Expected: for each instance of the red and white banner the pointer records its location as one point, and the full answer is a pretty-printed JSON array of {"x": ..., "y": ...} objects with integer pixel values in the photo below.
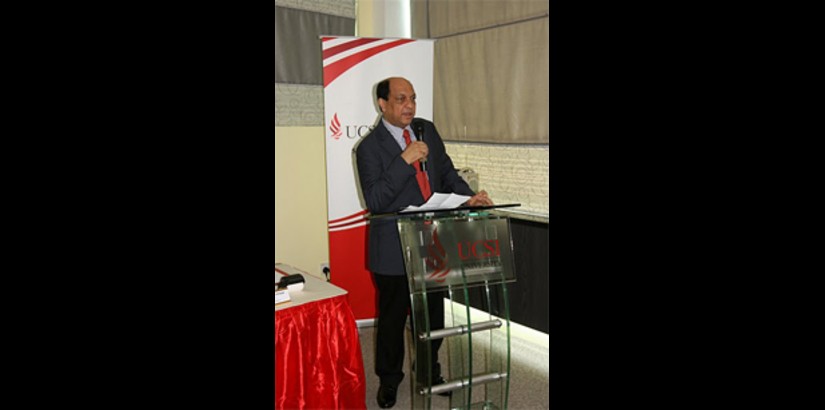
[{"x": 352, "y": 68}]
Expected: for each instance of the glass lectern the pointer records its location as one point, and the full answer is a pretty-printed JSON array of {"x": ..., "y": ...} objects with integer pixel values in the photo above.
[{"x": 468, "y": 253}]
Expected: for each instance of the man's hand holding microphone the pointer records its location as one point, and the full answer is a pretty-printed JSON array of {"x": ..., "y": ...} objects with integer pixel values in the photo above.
[{"x": 416, "y": 151}]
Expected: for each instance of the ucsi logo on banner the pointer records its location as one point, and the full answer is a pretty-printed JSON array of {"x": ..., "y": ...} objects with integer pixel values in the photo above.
[{"x": 351, "y": 131}]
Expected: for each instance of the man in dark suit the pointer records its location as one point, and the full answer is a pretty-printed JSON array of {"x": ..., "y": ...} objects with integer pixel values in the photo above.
[{"x": 391, "y": 177}]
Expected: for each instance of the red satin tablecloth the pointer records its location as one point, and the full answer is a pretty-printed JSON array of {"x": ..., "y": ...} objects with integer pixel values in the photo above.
[{"x": 318, "y": 362}]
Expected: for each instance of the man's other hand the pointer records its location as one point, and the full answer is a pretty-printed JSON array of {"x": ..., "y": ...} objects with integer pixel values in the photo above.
[{"x": 479, "y": 199}]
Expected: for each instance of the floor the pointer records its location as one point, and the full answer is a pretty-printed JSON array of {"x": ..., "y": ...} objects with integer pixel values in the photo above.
[{"x": 529, "y": 371}]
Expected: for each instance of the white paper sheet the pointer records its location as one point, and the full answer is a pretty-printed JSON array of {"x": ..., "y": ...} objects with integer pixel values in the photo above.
[
  {"x": 439, "y": 201},
  {"x": 282, "y": 296}
]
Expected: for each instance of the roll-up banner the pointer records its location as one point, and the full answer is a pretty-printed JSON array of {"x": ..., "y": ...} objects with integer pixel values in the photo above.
[{"x": 352, "y": 68}]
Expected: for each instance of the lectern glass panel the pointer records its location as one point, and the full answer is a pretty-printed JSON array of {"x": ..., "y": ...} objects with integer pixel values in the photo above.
[{"x": 456, "y": 250}]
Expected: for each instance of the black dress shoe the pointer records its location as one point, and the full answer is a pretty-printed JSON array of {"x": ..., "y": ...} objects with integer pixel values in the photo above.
[{"x": 386, "y": 395}]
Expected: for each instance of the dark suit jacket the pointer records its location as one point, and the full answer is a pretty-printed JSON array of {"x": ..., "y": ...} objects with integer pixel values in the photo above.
[{"x": 388, "y": 184}]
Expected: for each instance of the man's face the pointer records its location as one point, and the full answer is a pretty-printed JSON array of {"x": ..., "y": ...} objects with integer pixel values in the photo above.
[{"x": 399, "y": 108}]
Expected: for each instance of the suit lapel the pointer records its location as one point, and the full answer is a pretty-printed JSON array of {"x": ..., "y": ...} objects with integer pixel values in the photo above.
[{"x": 387, "y": 142}]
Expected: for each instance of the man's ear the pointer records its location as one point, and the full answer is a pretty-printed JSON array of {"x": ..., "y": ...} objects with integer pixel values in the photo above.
[{"x": 381, "y": 103}]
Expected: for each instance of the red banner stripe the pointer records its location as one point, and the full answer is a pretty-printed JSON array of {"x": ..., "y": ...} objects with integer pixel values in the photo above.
[
  {"x": 361, "y": 212},
  {"x": 347, "y": 226},
  {"x": 346, "y": 223},
  {"x": 334, "y": 70},
  {"x": 355, "y": 221},
  {"x": 346, "y": 46},
  {"x": 327, "y": 38}
]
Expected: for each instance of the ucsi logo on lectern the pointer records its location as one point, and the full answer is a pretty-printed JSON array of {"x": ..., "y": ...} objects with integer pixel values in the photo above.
[
  {"x": 437, "y": 260},
  {"x": 479, "y": 249},
  {"x": 351, "y": 131}
]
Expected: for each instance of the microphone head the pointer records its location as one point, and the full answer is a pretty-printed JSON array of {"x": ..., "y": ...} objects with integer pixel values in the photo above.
[{"x": 418, "y": 127}]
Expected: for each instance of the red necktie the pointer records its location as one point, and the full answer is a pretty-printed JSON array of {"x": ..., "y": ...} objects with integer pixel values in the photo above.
[{"x": 420, "y": 176}]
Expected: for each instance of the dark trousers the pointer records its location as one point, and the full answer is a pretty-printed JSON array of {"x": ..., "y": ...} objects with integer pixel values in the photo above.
[{"x": 393, "y": 305}]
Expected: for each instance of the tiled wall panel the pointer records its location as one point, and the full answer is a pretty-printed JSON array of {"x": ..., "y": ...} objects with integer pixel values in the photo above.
[
  {"x": 298, "y": 105},
  {"x": 343, "y": 8},
  {"x": 509, "y": 173}
]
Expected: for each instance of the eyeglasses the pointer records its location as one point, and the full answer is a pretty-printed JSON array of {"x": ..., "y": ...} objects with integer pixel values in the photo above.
[{"x": 402, "y": 99}]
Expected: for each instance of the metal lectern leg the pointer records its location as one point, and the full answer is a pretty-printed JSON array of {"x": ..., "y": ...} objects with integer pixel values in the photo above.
[{"x": 421, "y": 367}]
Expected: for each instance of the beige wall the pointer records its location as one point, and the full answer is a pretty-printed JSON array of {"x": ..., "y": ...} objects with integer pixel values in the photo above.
[
  {"x": 301, "y": 238},
  {"x": 382, "y": 18},
  {"x": 364, "y": 26}
]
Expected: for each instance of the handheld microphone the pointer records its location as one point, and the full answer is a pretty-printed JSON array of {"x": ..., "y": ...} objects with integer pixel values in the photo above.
[{"x": 418, "y": 128}]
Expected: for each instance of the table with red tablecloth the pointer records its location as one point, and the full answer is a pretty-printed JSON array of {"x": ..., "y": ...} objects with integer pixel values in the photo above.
[{"x": 318, "y": 363}]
